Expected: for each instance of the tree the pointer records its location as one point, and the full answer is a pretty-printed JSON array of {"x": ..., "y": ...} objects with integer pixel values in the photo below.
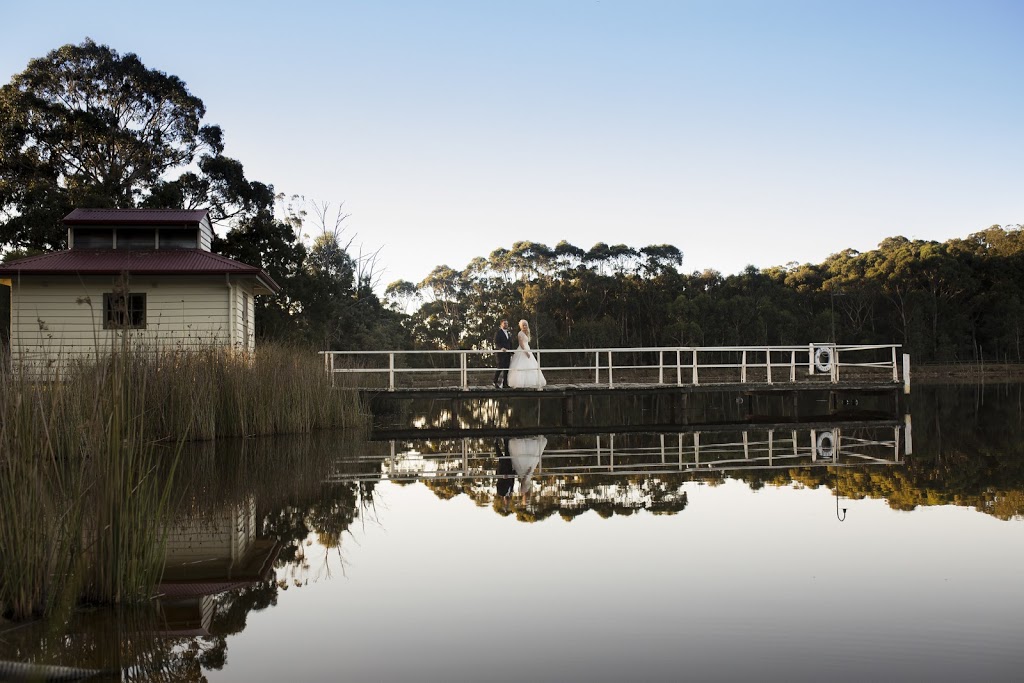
[{"x": 85, "y": 126}]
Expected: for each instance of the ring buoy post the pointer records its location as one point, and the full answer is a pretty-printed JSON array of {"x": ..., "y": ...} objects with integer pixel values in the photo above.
[{"x": 825, "y": 445}]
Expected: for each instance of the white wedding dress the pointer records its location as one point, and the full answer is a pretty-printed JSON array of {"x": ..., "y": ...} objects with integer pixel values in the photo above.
[
  {"x": 525, "y": 453},
  {"x": 524, "y": 370}
]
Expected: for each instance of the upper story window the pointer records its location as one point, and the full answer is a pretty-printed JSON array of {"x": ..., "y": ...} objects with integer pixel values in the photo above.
[
  {"x": 94, "y": 238},
  {"x": 136, "y": 238},
  {"x": 179, "y": 238}
]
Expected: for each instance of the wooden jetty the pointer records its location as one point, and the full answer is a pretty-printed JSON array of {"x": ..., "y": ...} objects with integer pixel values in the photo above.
[{"x": 570, "y": 372}]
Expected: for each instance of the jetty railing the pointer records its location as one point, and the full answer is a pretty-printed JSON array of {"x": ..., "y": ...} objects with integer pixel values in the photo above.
[
  {"x": 677, "y": 365},
  {"x": 638, "y": 454}
]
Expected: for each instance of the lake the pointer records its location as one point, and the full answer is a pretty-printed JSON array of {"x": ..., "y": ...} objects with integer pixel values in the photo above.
[{"x": 738, "y": 541}]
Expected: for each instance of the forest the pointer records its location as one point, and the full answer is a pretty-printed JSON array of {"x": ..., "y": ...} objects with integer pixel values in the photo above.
[{"x": 954, "y": 301}]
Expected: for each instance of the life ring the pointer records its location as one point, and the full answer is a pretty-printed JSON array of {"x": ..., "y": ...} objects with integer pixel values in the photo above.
[
  {"x": 826, "y": 445},
  {"x": 823, "y": 359}
]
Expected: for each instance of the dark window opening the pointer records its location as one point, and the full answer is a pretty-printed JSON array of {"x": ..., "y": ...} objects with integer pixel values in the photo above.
[
  {"x": 136, "y": 238},
  {"x": 179, "y": 239},
  {"x": 124, "y": 311},
  {"x": 94, "y": 238}
]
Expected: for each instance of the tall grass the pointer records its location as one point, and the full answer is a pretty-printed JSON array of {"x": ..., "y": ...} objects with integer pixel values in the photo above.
[
  {"x": 84, "y": 483},
  {"x": 212, "y": 393}
]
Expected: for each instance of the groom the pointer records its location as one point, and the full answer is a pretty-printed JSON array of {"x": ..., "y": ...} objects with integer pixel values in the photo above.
[{"x": 503, "y": 347}]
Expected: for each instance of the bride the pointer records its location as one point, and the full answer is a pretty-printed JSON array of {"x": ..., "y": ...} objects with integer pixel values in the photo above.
[{"x": 524, "y": 370}]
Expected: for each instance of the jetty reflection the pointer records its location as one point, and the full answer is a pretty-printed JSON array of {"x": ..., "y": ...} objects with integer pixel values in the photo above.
[{"x": 867, "y": 443}]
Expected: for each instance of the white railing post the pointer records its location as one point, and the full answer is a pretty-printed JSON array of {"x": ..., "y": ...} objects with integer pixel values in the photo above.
[
  {"x": 331, "y": 354},
  {"x": 835, "y": 365},
  {"x": 610, "y": 381},
  {"x": 792, "y": 366},
  {"x": 895, "y": 366},
  {"x": 768, "y": 363},
  {"x": 696, "y": 448},
  {"x": 906, "y": 373},
  {"x": 743, "y": 367},
  {"x": 810, "y": 359},
  {"x": 679, "y": 367},
  {"x": 695, "y": 382},
  {"x": 391, "y": 372},
  {"x": 661, "y": 367},
  {"x": 462, "y": 370},
  {"x": 907, "y": 436},
  {"x": 597, "y": 367}
]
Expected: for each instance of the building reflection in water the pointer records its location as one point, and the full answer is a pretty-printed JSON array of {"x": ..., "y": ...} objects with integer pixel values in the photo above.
[{"x": 208, "y": 555}]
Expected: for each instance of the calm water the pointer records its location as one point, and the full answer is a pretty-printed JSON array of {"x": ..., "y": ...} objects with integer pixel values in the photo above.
[{"x": 840, "y": 546}]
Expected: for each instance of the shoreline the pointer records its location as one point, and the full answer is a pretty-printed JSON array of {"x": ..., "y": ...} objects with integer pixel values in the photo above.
[{"x": 935, "y": 373}]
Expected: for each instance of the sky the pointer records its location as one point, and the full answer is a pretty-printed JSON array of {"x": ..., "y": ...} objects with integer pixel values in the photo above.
[{"x": 742, "y": 132}]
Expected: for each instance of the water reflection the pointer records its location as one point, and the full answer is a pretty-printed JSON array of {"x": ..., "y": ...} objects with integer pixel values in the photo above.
[
  {"x": 263, "y": 523},
  {"x": 525, "y": 453},
  {"x": 246, "y": 515},
  {"x": 207, "y": 556},
  {"x": 611, "y": 473}
]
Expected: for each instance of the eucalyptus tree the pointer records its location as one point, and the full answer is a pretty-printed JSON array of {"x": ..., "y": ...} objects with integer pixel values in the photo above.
[
  {"x": 660, "y": 258},
  {"x": 568, "y": 257},
  {"x": 86, "y": 126},
  {"x": 442, "y": 322},
  {"x": 401, "y": 296},
  {"x": 996, "y": 306}
]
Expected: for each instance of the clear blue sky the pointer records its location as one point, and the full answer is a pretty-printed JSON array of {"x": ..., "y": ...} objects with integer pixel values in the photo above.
[{"x": 743, "y": 132}]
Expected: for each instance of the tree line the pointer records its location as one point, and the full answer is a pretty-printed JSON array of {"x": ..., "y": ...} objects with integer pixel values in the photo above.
[{"x": 958, "y": 300}]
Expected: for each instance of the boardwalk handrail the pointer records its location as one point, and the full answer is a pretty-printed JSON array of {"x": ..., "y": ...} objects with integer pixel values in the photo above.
[
  {"x": 678, "y": 365},
  {"x": 767, "y": 447}
]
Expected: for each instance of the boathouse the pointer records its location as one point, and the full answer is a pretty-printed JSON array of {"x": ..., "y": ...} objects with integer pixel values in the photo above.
[{"x": 148, "y": 274}]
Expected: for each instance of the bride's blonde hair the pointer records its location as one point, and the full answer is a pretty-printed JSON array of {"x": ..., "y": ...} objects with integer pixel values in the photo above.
[{"x": 523, "y": 323}]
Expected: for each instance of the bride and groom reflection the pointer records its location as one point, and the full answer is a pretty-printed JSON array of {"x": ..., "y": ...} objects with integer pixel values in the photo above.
[{"x": 518, "y": 461}]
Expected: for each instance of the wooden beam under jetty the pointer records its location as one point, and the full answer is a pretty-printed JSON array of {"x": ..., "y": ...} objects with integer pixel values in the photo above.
[{"x": 563, "y": 390}]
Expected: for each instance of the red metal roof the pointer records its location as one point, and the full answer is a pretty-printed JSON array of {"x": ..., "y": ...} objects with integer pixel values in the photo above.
[
  {"x": 137, "y": 262},
  {"x": 135, "y": 216}
]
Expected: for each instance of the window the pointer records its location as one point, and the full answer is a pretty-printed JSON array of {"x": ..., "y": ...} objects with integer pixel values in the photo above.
[
  {"x": 136, "y": 238},
  {"x": 124, "y": 311},
  {"x": 179, "y": 239},
  {"x": 94, "y": 238}
]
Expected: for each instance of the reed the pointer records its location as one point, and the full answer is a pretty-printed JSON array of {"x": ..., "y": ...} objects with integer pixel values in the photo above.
[
  {"x": 210, "y": 393},
  {"x": 84, "y": 481},
  {"x": 41, "y": 497}
]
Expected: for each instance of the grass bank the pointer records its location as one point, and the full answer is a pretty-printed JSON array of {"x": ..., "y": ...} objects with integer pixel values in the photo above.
[{"x": 85, "y": 482}]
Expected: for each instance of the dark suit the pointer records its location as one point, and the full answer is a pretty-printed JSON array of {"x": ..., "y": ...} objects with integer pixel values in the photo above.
[
  {"x": 506, "y": 472},
  {"x": 503, "y": 340}
]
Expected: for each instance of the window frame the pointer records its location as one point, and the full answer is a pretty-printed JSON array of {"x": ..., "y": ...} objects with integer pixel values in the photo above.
[{"x": 134, "y": 310}]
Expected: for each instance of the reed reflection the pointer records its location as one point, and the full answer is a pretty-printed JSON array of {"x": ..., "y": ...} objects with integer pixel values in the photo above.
[{"x": 244, "y": 515}]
